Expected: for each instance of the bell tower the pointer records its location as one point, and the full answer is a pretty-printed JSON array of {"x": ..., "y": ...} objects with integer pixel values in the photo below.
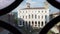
[
  {"x": 27, "y": 5},
  {"x": 46, "y": 5}
]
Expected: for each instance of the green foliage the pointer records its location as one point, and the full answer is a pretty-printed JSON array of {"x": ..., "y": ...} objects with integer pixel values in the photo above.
[
  {"x": 49, "y": 32},
  {"x": 16, "y": 20}
]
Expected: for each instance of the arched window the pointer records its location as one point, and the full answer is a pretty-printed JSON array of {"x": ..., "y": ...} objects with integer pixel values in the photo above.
[
  {"x": 42, "y": 11},
  {"x": 46, "y": 17},
  {"x": 45, "y": 11},
  {"x": 39, "y": 23},
  {"x": 35, "y": 16},
  {"x": 26, "y": 11},
  {"x": 38, "y": 11},
  {"x": 35, "y": 22},
  {"x": 29, "y": 23},
  {"x": 32, "y": 22},
  {"x": 23, "y": 16},
  {"x": 26, "y": 17},
  {"x": 29, "y": 16},
  {"x": 26, "y": 23},
  {"x": 20, "y": 16},
  {"x": 23, "y": 11},
  {"x": 20, "y": 23},
  {"x": 32, "y": 15},
  {"x": 45, "y": 22},
  {"x": 42, "y": 23},
  {"x": 38, "y": 16},
  {"x": 20, "y": 11},
  {"x": 42, "y": 17},
  {"x": 23, "y": 22}
]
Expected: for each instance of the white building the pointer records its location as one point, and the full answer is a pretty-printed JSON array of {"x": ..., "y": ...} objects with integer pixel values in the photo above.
[{"x": 35, "y": 17}]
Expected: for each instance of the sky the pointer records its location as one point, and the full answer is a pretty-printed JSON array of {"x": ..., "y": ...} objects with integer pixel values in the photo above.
[
  {"x": 36, "y": 3},
  {"x": 5, "y": 3},
  {"x": 58, "y": 1}
]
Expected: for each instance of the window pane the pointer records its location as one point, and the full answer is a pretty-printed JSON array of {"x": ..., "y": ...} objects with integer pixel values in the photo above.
[
  {"x": 35, "y": 16},
  {"x": 35, "y": 22},
  {"x": 42, "y": 23},
  {"x": 29, "y": 16}
]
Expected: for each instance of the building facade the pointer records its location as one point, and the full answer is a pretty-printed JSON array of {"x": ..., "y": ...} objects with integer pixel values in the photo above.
[{"x": 35, "y": 17}]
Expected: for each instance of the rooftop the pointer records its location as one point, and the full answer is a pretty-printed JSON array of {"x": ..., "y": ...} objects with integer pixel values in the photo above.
[
  {"x": 56, "y": 13},
  {"x": 34, "y": 8}
]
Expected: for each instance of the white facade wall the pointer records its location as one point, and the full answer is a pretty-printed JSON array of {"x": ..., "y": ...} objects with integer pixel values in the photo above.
[{"x": 38, "y": 13}]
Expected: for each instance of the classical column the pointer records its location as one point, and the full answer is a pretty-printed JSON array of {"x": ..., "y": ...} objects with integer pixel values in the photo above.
[
  {"x": 40, "y": 24},
  {"x": 43, "y": 23},
  {"x": 34, "y": 23},
  {"x": 31, "y": 23}
]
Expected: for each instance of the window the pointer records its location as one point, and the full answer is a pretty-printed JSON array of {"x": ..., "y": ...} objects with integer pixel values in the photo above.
[
  {"x": 23, "y": 22},
  {"x": 35, "y": 22},
  {"x": 42, "y": 23},
  {"x": 29, "y": 16},
  {"x": 23, "y": 11},
  {"x": 26, "y": 17},
  {"x": 45, "y": 11},
  {"x": 38, "y": 17},
  {"x": 35, "y": 16},
  {"x": 46, "y": 17},
  {"x": 38, "y": 11},
  {"x": 42, "y": 17},
  {"x": 32, "y": 22},
  {"x": 26, "y": 11},
  {"x": 32, "y": 15},
  {"x": 20, "y": 16},
  {"x": 29, "y": 23},
  {"x": 39, "y": 22},
  {"x": 45, "y": 22},
  {"x": 35, "y": 11},
  {"x": 23, "y": 16},
  {"x": 20, "y": 23},
  {"x": 20, "y": 11},
  {"x": 42, "y": 11},
  {"x": 26, "y": 23}
]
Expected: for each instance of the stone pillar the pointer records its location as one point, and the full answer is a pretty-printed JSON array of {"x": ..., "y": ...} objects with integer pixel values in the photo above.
[
  {"x": 43, "y": 23},
  {"x": 40, "y": 24},
  {"x": 31, "y": 23},
  {"x": 34, "y": 23}
]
